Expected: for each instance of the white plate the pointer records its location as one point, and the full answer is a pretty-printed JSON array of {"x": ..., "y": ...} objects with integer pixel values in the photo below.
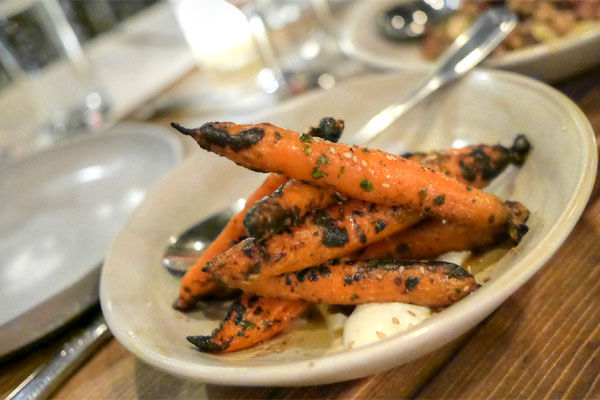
[
  {"x": 59, "y": 211},
  {"x": 486, "y": 106},
  {"x": 546, "y": 62}
]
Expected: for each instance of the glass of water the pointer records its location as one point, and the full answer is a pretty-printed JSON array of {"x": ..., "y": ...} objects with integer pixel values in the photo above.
[{"x": 53, "y": 91}]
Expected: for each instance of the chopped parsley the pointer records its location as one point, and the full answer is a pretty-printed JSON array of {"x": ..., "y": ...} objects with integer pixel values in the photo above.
[
  {"x": 247, "y": 324},
  {"x": 438, "y": 201},
  {"x": 317, "y": 173},
  {"x": 305, "y": 138},
  {"x": 306, "y": 149},
  {"x": 366, "y": 185},
  {"x": 323, "y": 160}
]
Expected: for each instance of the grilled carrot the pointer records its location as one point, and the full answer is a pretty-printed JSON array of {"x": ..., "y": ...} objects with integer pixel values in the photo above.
[
  {"x": 353, "y": 171},
  {"x": 426, "y": 283},
  {"x": 250, "y": 320},
  {"x": 286, "y": 207},
  {"x": 475, "y": 165},
  {"x": 293, "y": 200},
  {"x": 472, "y": 165},
  {"x": 197, "y": 283},
  {"x": 329, "y": 129},
  {"x": 433, "y": 237},
  {"x": 333, "y": 232}
]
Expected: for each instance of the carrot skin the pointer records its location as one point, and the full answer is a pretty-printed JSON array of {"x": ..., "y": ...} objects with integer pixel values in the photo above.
[
  {"x": 250, "y": 320},
  {"x": 425, "y": 283},
  {"x": 369, "y": 175},
  {"x": 334, "y": 232}
]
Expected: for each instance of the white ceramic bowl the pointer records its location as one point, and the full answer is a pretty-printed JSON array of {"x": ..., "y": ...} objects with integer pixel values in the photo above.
[
  {"x": 544, "y": 61},
  {"x": 486, "y": 106}
]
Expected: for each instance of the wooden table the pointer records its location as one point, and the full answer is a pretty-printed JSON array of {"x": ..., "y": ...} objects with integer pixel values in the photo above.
[{"x": 543, "y": 342}]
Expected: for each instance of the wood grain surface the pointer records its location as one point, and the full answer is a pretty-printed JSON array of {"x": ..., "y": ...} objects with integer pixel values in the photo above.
[{"x": 543, "y": 342}]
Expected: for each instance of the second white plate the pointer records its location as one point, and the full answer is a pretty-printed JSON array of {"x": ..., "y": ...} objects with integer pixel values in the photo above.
[{"x": 546, "y": 61}]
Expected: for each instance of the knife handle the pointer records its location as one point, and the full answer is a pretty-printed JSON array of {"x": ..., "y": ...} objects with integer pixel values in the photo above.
[{"x": 50, "y": 375}]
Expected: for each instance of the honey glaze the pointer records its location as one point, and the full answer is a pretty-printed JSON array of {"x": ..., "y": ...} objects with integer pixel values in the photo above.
[{"x": 480, "y": 264}]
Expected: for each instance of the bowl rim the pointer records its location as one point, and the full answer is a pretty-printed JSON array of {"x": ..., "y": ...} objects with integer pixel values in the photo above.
[{"x": 345, "y": 365}]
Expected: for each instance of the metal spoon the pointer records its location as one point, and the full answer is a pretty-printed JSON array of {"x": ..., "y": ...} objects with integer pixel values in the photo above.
[
  {"x": 467, "y": 51},
  {"x": 409, "y": 20},
  {"x": 183, "y": 250}
]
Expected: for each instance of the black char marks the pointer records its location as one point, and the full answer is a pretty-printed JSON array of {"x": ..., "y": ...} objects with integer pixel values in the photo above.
[
  {"x": 211, "y": 134},
  {"x": 333, "y": 236}
]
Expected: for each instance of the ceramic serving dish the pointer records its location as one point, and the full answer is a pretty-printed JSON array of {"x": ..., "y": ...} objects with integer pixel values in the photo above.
[{"x": 484, "y": 107}]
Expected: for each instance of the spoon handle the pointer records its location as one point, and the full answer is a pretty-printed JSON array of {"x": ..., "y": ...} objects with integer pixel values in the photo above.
[
  {"x": 43, "y": 381},
  {"x": 470, "y": 48}
]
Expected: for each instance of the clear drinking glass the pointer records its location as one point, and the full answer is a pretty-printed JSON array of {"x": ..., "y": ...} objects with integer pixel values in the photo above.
[{"x": 53, "y": 90}]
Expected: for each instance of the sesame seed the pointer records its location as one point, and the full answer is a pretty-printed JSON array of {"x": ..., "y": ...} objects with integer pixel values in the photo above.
[
  {"x": 412, "y": 313},
  {"x": 355, "y": 159},
  {"x": 347, "y": 155},
  {"x": 379, "y": 276},
  {"x": 469, "y": 268},
  {"x": 332, "y": 150},
  {"x": 395, "y": 320},
  {"x": 350, "y": 344},
  {"x": 385, "y": 185},
  {"x": 317, "y": 139},
  {"x": 401, "y": 269},
  {"x": 364, "y": 163},
  {"x": 380, "y": 334},
  {"x": 390, "y": 157},
  {"x": 466, "y": 288},
  {"x": 422, "y": 270}
]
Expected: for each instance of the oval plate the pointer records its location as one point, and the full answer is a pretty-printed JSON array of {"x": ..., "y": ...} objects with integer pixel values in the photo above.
[
  {"x": 484, "y": 107},
  {"x": 544, "y": 61},
  {"x": 59, "y": 211}
]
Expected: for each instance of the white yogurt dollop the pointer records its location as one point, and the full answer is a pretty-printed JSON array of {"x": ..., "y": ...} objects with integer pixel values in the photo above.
[{"x": 372, "y": 322}]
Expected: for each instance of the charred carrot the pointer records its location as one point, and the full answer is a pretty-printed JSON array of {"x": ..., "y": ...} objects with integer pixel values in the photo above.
[
  {"x": 369, "y": 175},
  {"x": 197, "y": 283},
  {"x": 472, "y": 165},
  {"x": 475, "y": 165},
  {"x": 426, "y": 283},
  {"x": 286, "y": 207},
  {"x": 333, "y": 232},
  {"x": 250, "y": 320},
  {"x": 432, "y": 237},
  {"x": 293, "y": 200},
  {"x": 329, "y": 129}
]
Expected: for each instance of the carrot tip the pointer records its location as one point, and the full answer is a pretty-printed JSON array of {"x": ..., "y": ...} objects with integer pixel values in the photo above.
[
  {"x": 185, "y": 131},
  {"x": 519, "y": 150},
  {"x": 204, "y": 343}
]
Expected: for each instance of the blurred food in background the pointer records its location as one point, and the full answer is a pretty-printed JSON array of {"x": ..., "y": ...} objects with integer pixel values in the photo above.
[{"x": 540, "y": 21}]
